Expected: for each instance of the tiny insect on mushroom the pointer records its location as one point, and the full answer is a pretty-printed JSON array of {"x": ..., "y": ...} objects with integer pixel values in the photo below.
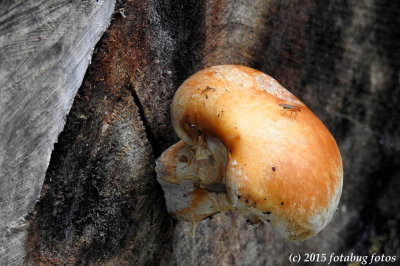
[
  {"x": 292, "y": 109},
  {"x": 286, "y": 172}
]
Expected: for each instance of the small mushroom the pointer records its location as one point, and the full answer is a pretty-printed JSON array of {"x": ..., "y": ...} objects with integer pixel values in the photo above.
[{"x": 238, "y": 149}]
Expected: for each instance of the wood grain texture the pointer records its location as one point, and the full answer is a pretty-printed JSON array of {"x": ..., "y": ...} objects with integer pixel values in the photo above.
[
  {"x": 100, "y": 201},
  {"x": 45, "y": 48}
]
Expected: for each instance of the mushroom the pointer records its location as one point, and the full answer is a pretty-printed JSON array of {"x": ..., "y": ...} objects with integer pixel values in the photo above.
[{"x": 248, "y": 144}]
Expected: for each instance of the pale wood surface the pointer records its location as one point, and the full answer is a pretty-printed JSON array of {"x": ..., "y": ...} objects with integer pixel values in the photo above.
[{"x": 45, "y": 48}]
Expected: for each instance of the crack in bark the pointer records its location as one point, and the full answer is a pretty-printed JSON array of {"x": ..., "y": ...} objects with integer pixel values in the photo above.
[{"x": 147, "y": 128}]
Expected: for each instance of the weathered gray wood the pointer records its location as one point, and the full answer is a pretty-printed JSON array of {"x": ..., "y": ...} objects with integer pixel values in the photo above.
[
  {"x": 101, "y": 203},
  {"x": 45, "y": 48}
]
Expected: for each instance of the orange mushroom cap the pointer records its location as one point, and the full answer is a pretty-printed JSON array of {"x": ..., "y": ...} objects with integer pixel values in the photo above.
[{"x": 277, "y": 159}]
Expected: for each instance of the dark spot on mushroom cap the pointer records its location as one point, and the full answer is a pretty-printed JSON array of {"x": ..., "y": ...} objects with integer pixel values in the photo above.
[
  {"x": 239, "y": 196},
  {"x": 247, "y": 201},
  {"x": 268, "y": 213},
  {"x": 273, "y": 168},
  {"x": 265, "y": 198},
  {"x": 282, "y": 203}
]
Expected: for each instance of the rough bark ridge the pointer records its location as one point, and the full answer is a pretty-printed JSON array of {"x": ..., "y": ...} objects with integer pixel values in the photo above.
[
  {"x": 100, "y": 202},
  {"x": 45, "y": 48},
  {"x": 113, "y": 212}
]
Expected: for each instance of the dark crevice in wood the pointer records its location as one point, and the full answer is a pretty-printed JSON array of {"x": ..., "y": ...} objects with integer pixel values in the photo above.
[
  {"x": 147, "y": 128},
  {"x": 100, "y": 188}
]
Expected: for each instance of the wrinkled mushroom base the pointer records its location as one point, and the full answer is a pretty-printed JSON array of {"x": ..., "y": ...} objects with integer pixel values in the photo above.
[{"x": 193, "y": 179}]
